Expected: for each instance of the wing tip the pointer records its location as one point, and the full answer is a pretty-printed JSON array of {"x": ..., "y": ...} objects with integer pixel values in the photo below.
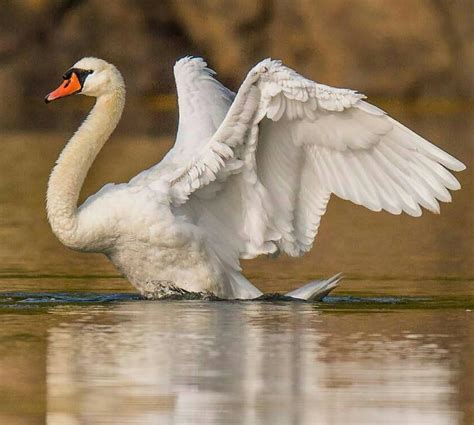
[{"x": 457, "y": 165}]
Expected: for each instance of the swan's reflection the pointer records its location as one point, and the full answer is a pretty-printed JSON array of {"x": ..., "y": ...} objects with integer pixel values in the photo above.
[{"x": 240, "y": 363}]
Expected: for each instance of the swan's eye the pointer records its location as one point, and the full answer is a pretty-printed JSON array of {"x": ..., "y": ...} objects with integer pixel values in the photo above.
[{"x": 90, "y": 71}]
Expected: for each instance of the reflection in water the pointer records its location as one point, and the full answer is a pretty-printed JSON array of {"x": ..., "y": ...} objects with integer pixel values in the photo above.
[{"x": 243, "y": 363}]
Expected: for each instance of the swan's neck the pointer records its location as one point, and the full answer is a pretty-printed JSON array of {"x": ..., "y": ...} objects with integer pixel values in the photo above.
[{"x": 73, "y": 164}]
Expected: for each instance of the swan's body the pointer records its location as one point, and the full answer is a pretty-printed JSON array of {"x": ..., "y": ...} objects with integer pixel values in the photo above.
[{"x": 249, "y": 174}]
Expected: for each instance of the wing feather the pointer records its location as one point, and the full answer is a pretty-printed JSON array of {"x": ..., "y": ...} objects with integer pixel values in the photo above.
[
  {"x": 203, "y": 103},
  {"x": 299, "y": 142}
]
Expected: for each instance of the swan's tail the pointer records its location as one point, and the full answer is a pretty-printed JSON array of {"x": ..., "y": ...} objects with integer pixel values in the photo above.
[{"x": 316, "y": 290}]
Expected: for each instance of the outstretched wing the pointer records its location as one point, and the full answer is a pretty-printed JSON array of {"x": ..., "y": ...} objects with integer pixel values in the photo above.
[
  {"x": 203, "y": 103},
  {"x": 287, "y": 143}
]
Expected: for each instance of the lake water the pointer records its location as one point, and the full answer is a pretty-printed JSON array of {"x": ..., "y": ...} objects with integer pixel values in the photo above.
[{"x": 393, "y": 345}]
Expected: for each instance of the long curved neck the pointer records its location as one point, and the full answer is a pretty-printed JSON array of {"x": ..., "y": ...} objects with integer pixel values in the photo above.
[{"x": 71, "y": 168}]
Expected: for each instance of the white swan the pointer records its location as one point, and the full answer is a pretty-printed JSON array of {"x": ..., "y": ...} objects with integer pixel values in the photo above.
[{"x": 250, "y": 173}]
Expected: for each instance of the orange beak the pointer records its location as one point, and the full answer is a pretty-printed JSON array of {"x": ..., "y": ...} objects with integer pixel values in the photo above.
[{"x": 67, "y": 88}]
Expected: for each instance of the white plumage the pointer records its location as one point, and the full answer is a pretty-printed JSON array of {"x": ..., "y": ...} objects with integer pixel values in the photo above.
[{"x": 250, "y": 173}]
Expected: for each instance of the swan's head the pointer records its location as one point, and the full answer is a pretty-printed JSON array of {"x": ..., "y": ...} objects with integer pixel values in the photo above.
[{"x": 89, "y": 76}]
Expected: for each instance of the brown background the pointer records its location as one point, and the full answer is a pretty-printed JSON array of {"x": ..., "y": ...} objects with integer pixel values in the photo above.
[{"x": 404, "y": 49}]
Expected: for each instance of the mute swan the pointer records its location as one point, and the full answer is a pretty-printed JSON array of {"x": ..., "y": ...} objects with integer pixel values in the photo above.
[{"x": 250, "y": 173}]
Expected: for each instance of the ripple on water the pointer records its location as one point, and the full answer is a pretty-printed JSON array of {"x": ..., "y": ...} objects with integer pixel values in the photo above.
[
  {"x": 15, "y": 299},
  {"x": 29, "y": 300}
]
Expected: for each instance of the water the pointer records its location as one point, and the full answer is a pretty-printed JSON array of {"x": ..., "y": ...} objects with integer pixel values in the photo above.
[
  {"x": 394, "y": 344},
  {"x": 102, "y": 358}
]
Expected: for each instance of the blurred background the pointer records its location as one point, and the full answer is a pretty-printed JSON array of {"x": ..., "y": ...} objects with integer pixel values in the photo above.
[
  {"x": 413, "y": 58},
  {"x": 404, "y": 50}
]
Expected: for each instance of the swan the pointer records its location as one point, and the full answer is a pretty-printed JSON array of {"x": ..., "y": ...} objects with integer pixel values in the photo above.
[{"x": 250, "y": 173}]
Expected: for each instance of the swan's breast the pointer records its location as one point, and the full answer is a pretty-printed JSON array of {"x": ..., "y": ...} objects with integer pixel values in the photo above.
[
  {"x": 148, "y": 243},
  {"x": 180, "y": 259}
]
